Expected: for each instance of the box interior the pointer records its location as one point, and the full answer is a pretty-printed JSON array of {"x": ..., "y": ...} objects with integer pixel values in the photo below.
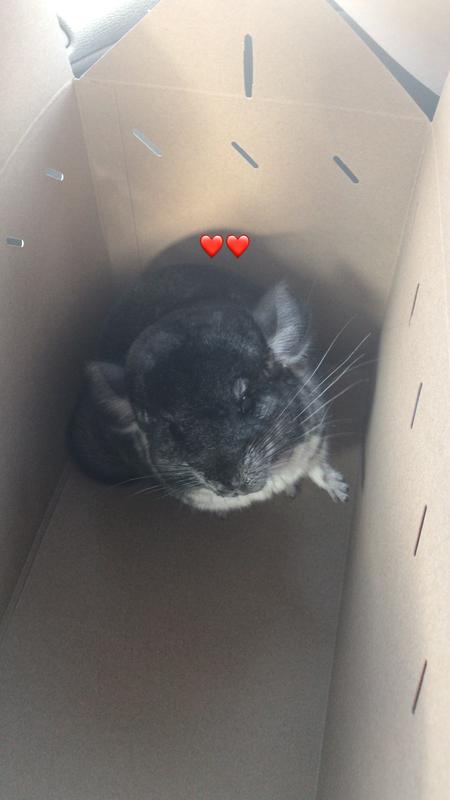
[{"x": 152, "y": 651}]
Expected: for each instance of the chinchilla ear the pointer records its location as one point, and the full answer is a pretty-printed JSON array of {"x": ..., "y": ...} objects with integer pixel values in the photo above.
[
  {"x": 107, "y": 385},
  {"x": 283, "y": 324}
]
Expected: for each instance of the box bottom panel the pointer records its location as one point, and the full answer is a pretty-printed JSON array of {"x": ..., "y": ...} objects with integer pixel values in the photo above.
[{"x": 157, "y": 652}]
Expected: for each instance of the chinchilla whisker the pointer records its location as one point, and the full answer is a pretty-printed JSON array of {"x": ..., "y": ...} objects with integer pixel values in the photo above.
[
  {"x": 176, "y": 476},
  {"x": 362, "y": 364},
  {"x": 330, "y": 346},
  {"x": 275, "y": 425},
  {"x": 332, "y": 399},
  {"x": 167, "y": 473},
  {"x": 352, "y": 367},
  {"x": 165, "y": 489},
  {"x": 346, "y": 359},
  {"x": 324, "y": 391},
  {"x": 164, "y": 492},
  {"x": 179, "y": 465},
  {"x": 335, "y": 422},
  {"x": 319, "y": 364},
  {"x": 344, "y": 362},
  {"x": 176, "y": 480},
  {"x": 340, "y": 433},
  {"x": 324, "y": 437},
  {"x": 131, "y": 480},
  {"x": 355, "y": 349},
  {"x": 367, "y": 363},
  {"x": 274, "y": 452},
  {"x": 281, "y": 425},
  {"x": 187, "y": 479},
  {"x": 149, "y": 490},
  {"x": 325, "y": 423},
  {"x": 320, "y": 425}
]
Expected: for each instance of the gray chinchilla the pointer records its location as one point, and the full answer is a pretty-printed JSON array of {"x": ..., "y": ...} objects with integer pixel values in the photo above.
[{"x": 204, "y": 386}]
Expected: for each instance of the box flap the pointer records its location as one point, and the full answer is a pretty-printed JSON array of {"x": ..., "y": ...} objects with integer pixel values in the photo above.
[
  {"x": 416, "y": 34},
  {"x": 303, "y": 52},
  {"x": 33, "y": 68},
  {"x": 236, "y": 122}
]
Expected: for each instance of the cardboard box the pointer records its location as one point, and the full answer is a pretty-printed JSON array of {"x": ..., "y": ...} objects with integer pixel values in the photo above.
[{"x": 151, "y": 652}]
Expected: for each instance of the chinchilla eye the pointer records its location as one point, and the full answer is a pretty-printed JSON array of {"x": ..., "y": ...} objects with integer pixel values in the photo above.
[
  {"x": 240, "y": 388},
  {"x": 246, "y": 404},
  {"x": 240, "y": 391}
]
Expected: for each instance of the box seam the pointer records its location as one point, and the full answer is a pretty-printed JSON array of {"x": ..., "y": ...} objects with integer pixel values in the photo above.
[
  {"x": 38, "y": 539},
  {"x": 79, "y": 105},
  {"x": 352, "y": 528},
  {"x": 404, "y": 228},
  {"x": 261, "y": 98},
  {"x": 31, "y": 125}
]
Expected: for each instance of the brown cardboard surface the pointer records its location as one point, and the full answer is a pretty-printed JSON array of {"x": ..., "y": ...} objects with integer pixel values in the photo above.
[
  {"x": 155, "y": 652},
  {"x": 396, "y": 604},
  {"x": 104, "y": 138},
  {"x": 303, "y": 52},
  {"x": 31, "y": 45},
  {"x": 305, "y": 213},
  {"x": 51, "y": 290},
  {"x": 158, "y": 652},
  {"x": 441, "y": 137},
  {"x": 415, "y": 34}
]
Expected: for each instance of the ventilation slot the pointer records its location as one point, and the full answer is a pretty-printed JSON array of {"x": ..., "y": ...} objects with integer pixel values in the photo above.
[
  {"x": 414, "y": 303},
  {"x": 141, "y": 137},
  {"x": 14, "y": 242},
  {"x": 244, "y": 154},
  {"x": 419, "y": 688},
  {"x": 419, "y": 534},
  {"x": 56, "y": 174},
  {"x": 416, "y": 404},
  {"x": 345, "y": 169},
  {"x": 248, "y": 66}
]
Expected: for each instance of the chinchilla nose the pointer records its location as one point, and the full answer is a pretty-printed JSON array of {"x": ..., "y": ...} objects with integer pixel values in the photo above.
[
  {"x": 230, "y": 478},
  {"x": 242, "y": 484}
]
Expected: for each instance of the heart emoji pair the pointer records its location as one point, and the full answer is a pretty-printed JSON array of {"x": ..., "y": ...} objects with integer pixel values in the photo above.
[{"x": 212, "y": 244}]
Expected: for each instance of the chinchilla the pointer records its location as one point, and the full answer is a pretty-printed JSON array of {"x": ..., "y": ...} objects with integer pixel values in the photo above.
[{"x": 203, "y": 386}]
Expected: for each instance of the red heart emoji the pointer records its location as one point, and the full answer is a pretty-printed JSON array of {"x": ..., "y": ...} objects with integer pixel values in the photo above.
[
  {"x": 237, "y": 244},
  {"x": 211, "y": 244}
]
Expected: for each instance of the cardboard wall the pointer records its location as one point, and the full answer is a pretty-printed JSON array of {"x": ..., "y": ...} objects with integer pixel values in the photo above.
[
  {"x": 77, "y": 704},
  {"x": 51, "y": 287},
  {"x": 387, "y": 732},
  {"x": 178, "y": 78},
  {"x": 415, "y": 34}
]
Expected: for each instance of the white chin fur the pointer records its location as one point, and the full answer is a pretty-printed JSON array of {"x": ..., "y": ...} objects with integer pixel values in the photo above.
[{"x": 282, "y": 479}]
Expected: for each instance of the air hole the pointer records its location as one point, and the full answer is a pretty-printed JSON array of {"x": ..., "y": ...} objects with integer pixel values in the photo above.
[
  {"x": 147, "y": 142},
  {"x": 419, "y": 534},
  {"x": 419, "y": 688},
  {"x": 419, "y": 390},
  {"x": 244, "y": 154},
  {"x": 414, "y": 303},
  {"x": 345, "y": 169},
  {"x": 14, "y": 242},
  {"x": 248, "y": 65},
  {"x": 56, "y": 174}
]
